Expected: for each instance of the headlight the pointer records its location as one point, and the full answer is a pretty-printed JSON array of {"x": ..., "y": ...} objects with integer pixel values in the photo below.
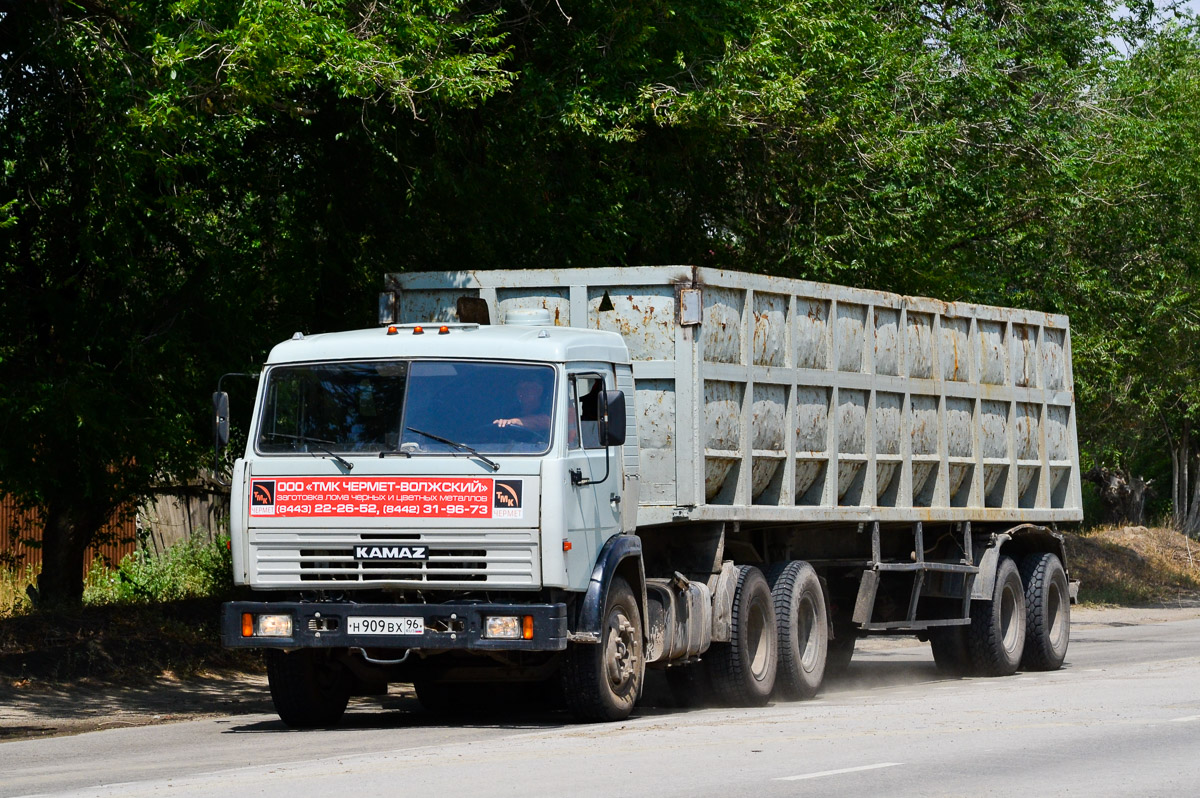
[{"x": 266, "y": 625}]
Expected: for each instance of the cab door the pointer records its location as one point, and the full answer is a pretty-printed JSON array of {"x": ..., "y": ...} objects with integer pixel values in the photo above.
[{"x": 591, "y": 501}]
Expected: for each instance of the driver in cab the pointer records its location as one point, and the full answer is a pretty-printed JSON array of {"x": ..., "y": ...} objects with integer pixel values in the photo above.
[{"x": 532, "y": 414}]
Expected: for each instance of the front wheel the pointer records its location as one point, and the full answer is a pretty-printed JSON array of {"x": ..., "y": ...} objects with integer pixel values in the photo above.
[
  {"x": 602, "y": 682},
  {"x": 308, "y": 687},
  {"x": 743, "y": 670}
]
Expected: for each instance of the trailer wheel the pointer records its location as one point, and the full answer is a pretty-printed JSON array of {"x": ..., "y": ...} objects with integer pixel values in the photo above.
[
  {"x": 950, "y": 652},
  {"x": 308, "y": 687},
  {"x": 602, "y": 682},
  {"x": 743, "y": 670},
  {"x": 996, "y": 637},
  {"x": 841, "y": 648},
  {"x": 1047, "y": 612},
  {"x": 803, "y": 628}
]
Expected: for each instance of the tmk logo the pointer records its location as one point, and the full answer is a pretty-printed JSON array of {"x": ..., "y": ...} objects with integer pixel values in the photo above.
[
  {"x": 391, "y": 552},
  {"x": 262, "y": 493},
  {"x": 508, "y": 493}
]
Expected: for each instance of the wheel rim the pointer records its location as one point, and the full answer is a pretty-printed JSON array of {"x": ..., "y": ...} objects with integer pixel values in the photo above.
[
  {"x": 620, "y": 651},
  {"x": 758, "y": 640},
  {"x": 1010, "y": 629},
  {"x": 806, "y": 622},
  {"x": 1056, "y": 616}
]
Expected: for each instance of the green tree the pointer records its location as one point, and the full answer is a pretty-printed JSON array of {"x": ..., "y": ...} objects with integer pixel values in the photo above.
[
  {"x": 186, "y": 182},
  {"x": 1126, "y": 263},
  {"x": 171, "y": 198}
]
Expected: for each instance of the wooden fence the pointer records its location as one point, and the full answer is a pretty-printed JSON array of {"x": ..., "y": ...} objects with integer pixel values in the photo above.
[
  {"x": 21, "y": 536},
  {"x": 171, "y": 516}
]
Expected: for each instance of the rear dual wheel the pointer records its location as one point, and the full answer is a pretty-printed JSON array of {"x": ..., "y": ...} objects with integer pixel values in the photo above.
[
  {"x": 1047, "y": 612},
  {"x": 996, "y": 636},
  {"x": 802, "y": 625},
  {"x": 1027, "y": 624},
  {"x": 743, "y": 670}
]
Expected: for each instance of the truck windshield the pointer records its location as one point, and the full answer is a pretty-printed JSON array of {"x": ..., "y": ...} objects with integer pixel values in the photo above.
[
  {"x": 496, "y": 408},
  {"x": 394, "y": 406}
]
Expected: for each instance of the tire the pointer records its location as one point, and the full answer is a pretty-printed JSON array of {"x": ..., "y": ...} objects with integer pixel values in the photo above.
[
  {"x": 308, "y": 687},
  {"x": 602, "y": 682},
  {"x": 951, "y": 654},
  {"x": 743, "y": 670},
  {"x": 802, "y": 626},
  {"x": 1047, "y": 612},
  {"x": 996, "y": 636},
  {"x": 841, "y": 648}
]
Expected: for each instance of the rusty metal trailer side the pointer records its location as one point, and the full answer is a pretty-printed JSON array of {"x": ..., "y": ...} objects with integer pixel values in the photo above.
[{"x": 769, "y": 400}]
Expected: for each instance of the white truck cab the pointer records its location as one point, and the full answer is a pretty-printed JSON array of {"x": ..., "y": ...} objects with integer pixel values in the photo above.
[{"x": 389, "y": 469}]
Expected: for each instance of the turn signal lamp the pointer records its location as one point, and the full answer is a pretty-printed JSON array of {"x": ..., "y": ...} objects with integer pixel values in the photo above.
[{"x": 527, "y": 627}]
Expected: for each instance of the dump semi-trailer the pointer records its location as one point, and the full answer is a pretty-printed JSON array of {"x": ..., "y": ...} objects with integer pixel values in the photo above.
[{"x": 571, "y": 476}]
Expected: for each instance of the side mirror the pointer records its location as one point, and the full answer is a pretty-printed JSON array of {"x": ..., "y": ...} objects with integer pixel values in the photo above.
[
  {"x": 612, "y": 418},
  {"x": 220, "y": 401}
]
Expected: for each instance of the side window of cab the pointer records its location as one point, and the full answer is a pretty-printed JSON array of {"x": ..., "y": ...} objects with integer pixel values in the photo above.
[
  {"x": 572, "y": 415},
  {"x": 585, "y": 407}
]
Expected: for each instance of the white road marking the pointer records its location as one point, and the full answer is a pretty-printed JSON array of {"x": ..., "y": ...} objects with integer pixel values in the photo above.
[
  {"x": 1188, "y": 719},
  {"x": 839, "y": 772}
]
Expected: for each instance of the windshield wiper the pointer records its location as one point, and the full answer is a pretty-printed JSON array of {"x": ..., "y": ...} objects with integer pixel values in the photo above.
[
  {"x": 311, "y": 443},
  {"x": 461, "y": 446}
]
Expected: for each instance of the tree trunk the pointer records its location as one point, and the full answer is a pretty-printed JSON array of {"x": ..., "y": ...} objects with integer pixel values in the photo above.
[
  {"x": 1123, "y": 496},
  {"x": 1183, "y": 499},
  {"x": 68, "y": 531},
  {"x": 1191, "y": 523}
]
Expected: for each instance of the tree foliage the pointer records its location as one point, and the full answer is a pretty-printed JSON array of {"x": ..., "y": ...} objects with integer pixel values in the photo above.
[
  {"x": 186, "y": 182},
  {"x": 174, "y": 197}
]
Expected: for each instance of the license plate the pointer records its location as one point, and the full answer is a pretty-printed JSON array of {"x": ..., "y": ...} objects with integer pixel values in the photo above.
[{"x": 385, "y": 626}]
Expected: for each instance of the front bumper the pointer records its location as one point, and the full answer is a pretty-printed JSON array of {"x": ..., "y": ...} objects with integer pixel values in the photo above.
[{"x": 447, "y": 626}]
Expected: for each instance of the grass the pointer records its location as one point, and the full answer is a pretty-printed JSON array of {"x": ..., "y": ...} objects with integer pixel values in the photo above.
[
  {"x": 194, "y": 568},
  {"x": 14, "y": 581},
  {"x": 149, "y": 615},
  {"x": 1131, "y": 566}
]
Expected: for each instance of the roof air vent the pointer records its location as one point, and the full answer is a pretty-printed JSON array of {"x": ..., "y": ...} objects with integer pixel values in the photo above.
[{"x": 528, "y": 317}]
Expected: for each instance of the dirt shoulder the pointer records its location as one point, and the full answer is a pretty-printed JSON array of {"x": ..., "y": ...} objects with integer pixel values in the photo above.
[{"x": 30, "y": 708}]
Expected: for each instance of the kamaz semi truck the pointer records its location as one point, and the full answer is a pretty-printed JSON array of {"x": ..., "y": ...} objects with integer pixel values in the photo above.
[{"x": 568, "y": 477}]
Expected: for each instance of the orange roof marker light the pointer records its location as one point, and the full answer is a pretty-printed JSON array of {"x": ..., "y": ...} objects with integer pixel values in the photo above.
[
  {"x": 418, "y": 330},
  {"x": 443, "y": 330},
  {"x": 393, "y": 329}
]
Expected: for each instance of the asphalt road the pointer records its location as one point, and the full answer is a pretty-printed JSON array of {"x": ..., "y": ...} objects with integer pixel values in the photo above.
[{"x": 1121, "y": 718}]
